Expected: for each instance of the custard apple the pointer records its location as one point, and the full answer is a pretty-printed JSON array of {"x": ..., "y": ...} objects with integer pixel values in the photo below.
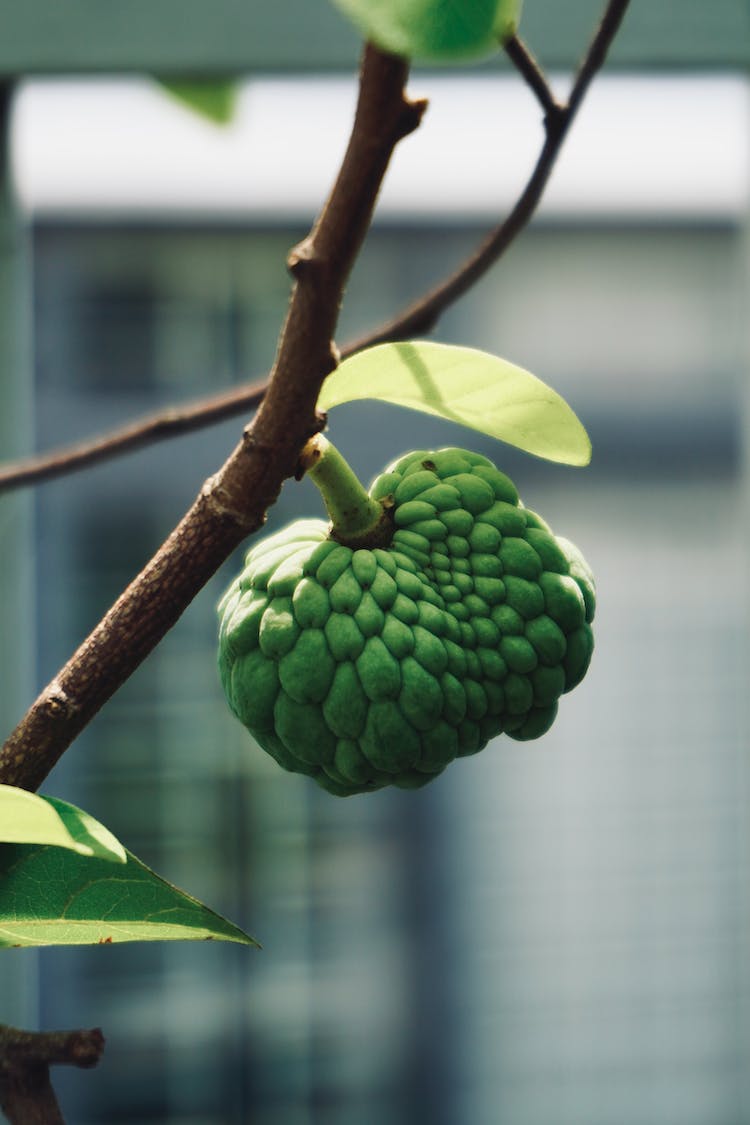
[{"x": 365, "y": 666}]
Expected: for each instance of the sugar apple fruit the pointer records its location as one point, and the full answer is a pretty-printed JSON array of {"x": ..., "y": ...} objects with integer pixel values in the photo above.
[{"x": 368, "y": 665}]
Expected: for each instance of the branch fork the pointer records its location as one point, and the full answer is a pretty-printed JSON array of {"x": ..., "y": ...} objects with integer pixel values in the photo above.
[
  {"x": 26, "y": 1094},
  {"x": 235, "y": 500}
]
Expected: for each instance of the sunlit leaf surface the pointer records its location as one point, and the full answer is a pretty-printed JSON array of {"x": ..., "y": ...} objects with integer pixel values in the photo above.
[
  {"x": 68, "y": 891},
  {"x": 26, "y": 818},
  {"x": 467, "y": 386}
]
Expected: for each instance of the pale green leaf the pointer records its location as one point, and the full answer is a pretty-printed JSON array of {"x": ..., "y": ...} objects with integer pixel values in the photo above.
[
  {"x": 507, "y": 18},
  {"x": 26, "y": 818},
  {"x": 466, "y": 386},
  {"x": 433, "y": 29},
  {"x": 211, "y": 98},
  {"x": 53, "y": 896}
]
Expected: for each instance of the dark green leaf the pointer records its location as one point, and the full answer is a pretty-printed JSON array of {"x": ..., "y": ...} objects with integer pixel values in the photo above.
[
  {"x": 466, "y": 386},
  {"x": 213, "y": 99},
  {"x": 434, "y": 29},
  {"x": 53, "y": 896},
  {"x": 26, "y": 818}
]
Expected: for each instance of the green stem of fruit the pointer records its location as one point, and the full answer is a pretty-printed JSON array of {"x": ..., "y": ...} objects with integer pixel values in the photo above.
[{"x": 356, "y": 519}]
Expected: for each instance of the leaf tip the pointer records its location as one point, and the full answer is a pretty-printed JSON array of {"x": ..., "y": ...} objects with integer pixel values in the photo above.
[{"x": 585, "y": 453}]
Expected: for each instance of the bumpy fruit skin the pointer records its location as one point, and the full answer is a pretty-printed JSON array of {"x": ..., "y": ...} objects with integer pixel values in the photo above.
[{"x": 370, "y": 667}]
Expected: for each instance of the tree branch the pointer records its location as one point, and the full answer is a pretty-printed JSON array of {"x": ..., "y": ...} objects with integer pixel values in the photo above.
[
  {"x": 597, "y": 52},
  {"x": 419, "y": 317},
  {"x": 233, "y": 503},
  {"x": 26, "y": 1094},
  {"x": 422, "y": 316},
  {"x": 172, "y": 422},
  {"x": 527, "y": 66}
]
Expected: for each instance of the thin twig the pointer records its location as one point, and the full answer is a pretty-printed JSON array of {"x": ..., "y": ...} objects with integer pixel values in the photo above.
[
  {"x": 172, "y": 422},
  {"x": 422, "y": 316},
  {"x": 419, "y": 317},
  {"x": 527, "y": 66},
  {"x": 597, "y": 52},
  {"x": 232, "y": 504}
]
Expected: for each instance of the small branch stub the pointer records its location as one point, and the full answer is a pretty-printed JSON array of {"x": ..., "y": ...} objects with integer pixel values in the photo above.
[
  {"x": 26, "y": 1093},
  {"x": 356, "y": 519}
]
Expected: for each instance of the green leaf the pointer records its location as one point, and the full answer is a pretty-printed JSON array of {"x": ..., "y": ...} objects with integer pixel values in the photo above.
[
  {"x": 466, "y": 386},
  {"x": 26, "y": 818},
  {"x": 434, "y": 29},
  {"x": 213, "y": 99},
  {"x": 53, "y": 896},
  {"x": 507, "y": 18}
]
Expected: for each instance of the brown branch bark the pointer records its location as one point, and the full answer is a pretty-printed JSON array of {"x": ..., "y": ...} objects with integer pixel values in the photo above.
[
  {"x": 233, "y": 503},
  {"x": 418, "y": 318},
  {"x": 26, "y": 1093}
]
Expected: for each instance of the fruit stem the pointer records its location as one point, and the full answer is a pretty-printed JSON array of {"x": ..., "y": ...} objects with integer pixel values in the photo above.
[{"x": 356, "y": 519}]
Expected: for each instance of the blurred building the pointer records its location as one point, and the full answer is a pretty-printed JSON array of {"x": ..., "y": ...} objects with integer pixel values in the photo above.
[{"x": 550, "y": 933}]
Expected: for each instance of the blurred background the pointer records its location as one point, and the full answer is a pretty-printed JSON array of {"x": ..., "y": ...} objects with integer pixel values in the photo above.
[{"x": 554, "y": 932}]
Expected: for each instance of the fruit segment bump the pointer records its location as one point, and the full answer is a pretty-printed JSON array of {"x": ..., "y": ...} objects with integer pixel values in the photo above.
[{"x": 432, "y": 614}]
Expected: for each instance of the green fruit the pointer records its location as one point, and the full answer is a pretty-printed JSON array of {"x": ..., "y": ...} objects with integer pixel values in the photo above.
[{"x": 430, "y": 616}]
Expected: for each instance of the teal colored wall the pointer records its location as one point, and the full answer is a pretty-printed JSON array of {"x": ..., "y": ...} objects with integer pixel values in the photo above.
[{"x": 232, "y": 35}]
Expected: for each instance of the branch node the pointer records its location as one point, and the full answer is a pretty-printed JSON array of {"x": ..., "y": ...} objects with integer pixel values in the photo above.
[
  {"x": 411, "y": 116},
  {"x": 86, "y": 1048},
  {"x": 58, "y": 704},
  {"x": 220, "y": 503},
  {"x": 301, "y": 260},
  {"x": 232, "y": 503},
  {"x": 26, "y": 1093},
  {"x": 556, "y": 118}
]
